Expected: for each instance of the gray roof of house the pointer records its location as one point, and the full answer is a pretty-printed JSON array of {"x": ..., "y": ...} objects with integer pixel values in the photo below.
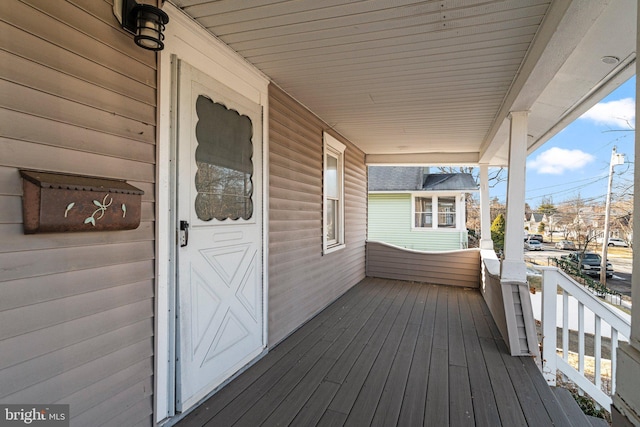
[
  {"x": 410, "y": 178},
  {"x": 449, "y": 182},
  {"x": 398, "y": 178}
]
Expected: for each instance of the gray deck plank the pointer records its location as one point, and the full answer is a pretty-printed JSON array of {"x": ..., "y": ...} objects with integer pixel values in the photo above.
[
  {"x": 484, "y": 403},
  {"x": 461, "y": 405},
  {"x": 294, "y": 401},
  {"x": 556, "y": 412},
  {"x": 316, "y": 405},
  {"x": 566, "y": 400},
  {"x": 346, "y": 396},
  {"x": 300, "y": 339},
  {"x": 508, "y": 404},
  {"x": 389, "y": 353},
  {"x": 532, "y": 406},
  {"x": 390, "y": 403},
  {"x": 347, "y": 359},
  {"x": 373, "y": 386},
  {"x": 415, "y": 395},
  {"x": 436, "y": 412},
  {"x": 259, "y": 381},
  {"x": 437, "y": 403},
  {"x": 456, "y": 343},
  {"x": 299, "y": 395},
  {"x": 332, "y": 419},
  {"x": 461, "y": 411}
]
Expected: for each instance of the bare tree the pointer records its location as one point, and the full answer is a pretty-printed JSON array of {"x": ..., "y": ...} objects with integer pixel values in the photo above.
[{"x": 583, "y": 226}]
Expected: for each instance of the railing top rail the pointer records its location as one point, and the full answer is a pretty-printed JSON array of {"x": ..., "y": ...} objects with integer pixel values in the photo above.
[
  {"x": 491, "y": 261},
  {"x": 552, "y": 276}
]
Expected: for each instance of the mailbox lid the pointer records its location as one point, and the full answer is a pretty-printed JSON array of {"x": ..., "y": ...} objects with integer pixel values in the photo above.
[{"x": 78, "y": 182}]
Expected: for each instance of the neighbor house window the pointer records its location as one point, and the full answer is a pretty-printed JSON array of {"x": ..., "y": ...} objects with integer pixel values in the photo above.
[
  {"x": 424, "y": 212},
  {"x": 434, "y": 212},
  {"x": 333, "y": 195},
  {"x": 446, "y": 212}
]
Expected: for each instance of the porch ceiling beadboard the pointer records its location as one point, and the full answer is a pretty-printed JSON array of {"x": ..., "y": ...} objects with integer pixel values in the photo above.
[
  {"x": 432, "y": 82},
  {"x": 76, "y": 309}
]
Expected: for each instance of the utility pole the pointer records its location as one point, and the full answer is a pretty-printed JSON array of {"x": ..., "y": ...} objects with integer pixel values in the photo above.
[{"x": 616, "y": 159}]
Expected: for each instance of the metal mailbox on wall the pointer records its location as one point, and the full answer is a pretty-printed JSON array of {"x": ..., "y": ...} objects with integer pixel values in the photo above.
[{"x": 56, "y": 202}]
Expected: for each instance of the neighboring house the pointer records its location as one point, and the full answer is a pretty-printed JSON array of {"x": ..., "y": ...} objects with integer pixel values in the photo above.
[
  {"x": 414, "y": 209},
  {"x": 250, "y": 136},
  {"x": 533, "y": 220}
]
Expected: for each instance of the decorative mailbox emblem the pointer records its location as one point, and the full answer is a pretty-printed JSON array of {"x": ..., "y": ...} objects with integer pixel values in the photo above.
[{"x": 54, "y": 202}]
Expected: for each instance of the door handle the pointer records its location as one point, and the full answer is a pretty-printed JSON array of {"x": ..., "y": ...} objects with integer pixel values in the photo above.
[{"x": 184, "y": 233}]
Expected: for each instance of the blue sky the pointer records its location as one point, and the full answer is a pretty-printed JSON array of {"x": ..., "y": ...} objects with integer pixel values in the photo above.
[{"x": 576, "y": 160}]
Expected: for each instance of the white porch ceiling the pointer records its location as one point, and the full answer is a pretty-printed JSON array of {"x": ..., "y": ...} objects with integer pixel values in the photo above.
[{"x": 432, "y": 82}]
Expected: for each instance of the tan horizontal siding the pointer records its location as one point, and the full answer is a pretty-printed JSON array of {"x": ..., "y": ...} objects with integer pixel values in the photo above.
[
  {"x": 459, "y": 268},
  {"x": 79, "y": 377},
  {"x": 115, "y": 384},
  {"x": 62, "y": 30},
  {"x": 26, "y": 155},
  {"x": 77, "y": 309},
  {"x": 29, "y": 128},
  {"x": 44, "y": 52},
  {"x": 301, "y": 279},
  {"x": 38, "y": 103},
  {"x": 24, "y": 72},
  {"x": 39, "y": 343}
]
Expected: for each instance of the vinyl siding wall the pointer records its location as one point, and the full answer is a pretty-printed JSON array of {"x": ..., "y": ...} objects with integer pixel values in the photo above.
[
  {"x": 76, "y": 309},
  {"x": 390, "y": 222},
  {"x": 454, "y": 268},
  {"x": 301, "y": 280}
]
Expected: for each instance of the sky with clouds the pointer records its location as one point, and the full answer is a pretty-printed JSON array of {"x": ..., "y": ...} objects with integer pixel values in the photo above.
[{"x": 576, "y": 160}]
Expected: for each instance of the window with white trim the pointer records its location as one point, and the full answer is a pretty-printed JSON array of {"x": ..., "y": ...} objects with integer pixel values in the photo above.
[
  {"x": 333, "y": 195},
  {"x": 446, "y": 212},
  {"x": 423, "y": 212},
  {"x": 435, "y": 212}
]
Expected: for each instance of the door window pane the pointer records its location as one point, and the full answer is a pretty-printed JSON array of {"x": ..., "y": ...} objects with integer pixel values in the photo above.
[{"x": 224, "y": 160}]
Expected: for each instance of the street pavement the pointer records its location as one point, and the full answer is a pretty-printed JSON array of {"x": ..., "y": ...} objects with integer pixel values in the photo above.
[{"x": 622, "y": 266}]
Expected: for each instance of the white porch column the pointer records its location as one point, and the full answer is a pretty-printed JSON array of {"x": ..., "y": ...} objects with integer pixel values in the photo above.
[
  {"x": 513, "y": 277},
  {"x": 485, "y": 209},
  {"x": 513, "y": 267},
  {"x": 625, "y": 410}
]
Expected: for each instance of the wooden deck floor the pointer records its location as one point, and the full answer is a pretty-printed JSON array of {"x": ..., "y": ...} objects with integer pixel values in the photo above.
[{"x": 389, "y": 353}]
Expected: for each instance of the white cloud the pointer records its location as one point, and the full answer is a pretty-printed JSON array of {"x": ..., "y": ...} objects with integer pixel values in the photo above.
[
  {"x": 556, "y": 161},
  {"x": 618, "y": 114}
]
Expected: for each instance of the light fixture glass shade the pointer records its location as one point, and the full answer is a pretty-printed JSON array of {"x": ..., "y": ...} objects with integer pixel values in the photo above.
[{"x": 150, "y": 23}]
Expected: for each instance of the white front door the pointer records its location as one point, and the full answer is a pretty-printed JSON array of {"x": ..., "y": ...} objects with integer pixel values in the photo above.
[{"x": 219, "y": 278}]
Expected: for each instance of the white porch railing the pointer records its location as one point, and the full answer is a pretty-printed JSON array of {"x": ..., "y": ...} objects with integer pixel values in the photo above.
[{"x": 552, "y": 281}]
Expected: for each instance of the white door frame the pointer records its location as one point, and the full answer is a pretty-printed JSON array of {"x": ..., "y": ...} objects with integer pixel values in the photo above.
[{"x": 191, "y": 43}]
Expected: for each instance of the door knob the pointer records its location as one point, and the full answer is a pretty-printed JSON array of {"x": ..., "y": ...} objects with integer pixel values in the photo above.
[{"x": 184, "y": 233}]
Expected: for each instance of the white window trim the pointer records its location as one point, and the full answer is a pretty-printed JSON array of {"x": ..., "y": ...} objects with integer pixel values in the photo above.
[
  {"x": 335, "y": 148},
  {"x": 460, "y": 212}
]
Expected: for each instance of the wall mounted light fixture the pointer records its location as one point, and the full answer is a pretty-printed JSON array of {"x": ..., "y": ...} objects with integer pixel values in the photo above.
[{"x": 146, "y": 22}]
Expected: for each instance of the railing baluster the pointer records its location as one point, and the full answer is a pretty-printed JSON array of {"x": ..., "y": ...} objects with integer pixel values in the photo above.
[
  {"x": 581, "y": 337},
  {"x": 549, "y": 330},
  {"x": 597, "y": 351},
  {"x": 614, "y": 358},
  {"x": 552, "y": 280},
  {"x": 565, "y": 325}
]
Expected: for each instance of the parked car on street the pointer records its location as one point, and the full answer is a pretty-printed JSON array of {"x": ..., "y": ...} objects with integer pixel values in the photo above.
[
  {"x": 533, "y": 245},
  {"x": 613, "y": 241},
  {"x": 589, "y": 263},
  {"x": 537, "y": 237},
  {"x": 566, "y": 245}
]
